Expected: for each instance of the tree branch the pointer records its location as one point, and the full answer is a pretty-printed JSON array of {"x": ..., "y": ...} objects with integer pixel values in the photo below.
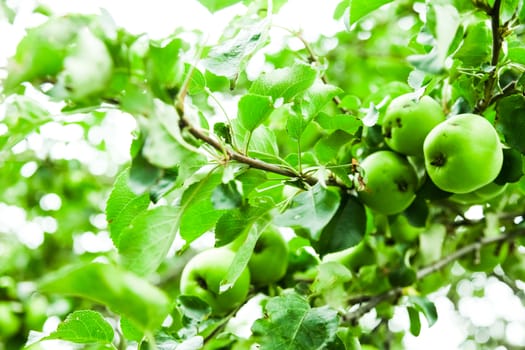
[
  {"x": 497, "y": 41},
  {"x": 371, "y": 302}
]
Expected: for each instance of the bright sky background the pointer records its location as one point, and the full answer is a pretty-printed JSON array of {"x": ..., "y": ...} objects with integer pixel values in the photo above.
[{"x": 159, "y": 18}]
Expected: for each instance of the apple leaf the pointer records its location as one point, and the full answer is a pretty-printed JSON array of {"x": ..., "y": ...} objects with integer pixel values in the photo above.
[
  {"x": 311, "y": 210},
  {"x": 196, "y": 203},
  {"x": 330, "y": 282},
  {"x": 22, "y": 116},
  {"x": 87, "y": 68},
  {"x": 139, "y": 246},
  {"x": 415, "y": 322},
  {"x": 345, "y": 229},
  {"x": 254, "y": 110},
  {"x": 125, "y": 293},
  {"x": 123, "y": 205},
  {"x": 472, "y": 52},
  {"x": 290, "y": 323},
  {"x": 129, "y": 330},
  {"x": 216, "y": 5},
  {"x": 226, "y": 196},
  {"x": 425, "y": 306},
  {"x": 257, "y": 221},
  {"x": 361, "y": 8},
  {"x": 164, "y": 68},
  {"x": 284, "y": 83},
  {"x": 316, "y": 97},
  {"x": 230, "y": 56},
  {"x": 511, "y": 120},
  {"x": 84, "y": 326},
  {"x": 444, "y": 21},
  {"x": 343, "y": 122},
  {"x": 42, "y": 51}
]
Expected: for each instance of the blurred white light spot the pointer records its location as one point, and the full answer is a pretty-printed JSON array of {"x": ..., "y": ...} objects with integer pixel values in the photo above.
[
  {"x": 518, "y": 220},
  {"x": 51, "y": 324},
  {"x": 28, "y": 169},
  {"x": 47, "y": 223},
  {"x": 19, "y": 147},
  {"x": 515, "y": 333},
  {"x": 50, "y": 201},
  {"x": 474, "y": 213},
  {"x": 3, "y": 129},
  {"x": 92, "y": 243},
  {"x": 95, "y": 135},
  {"x": 31, "y": 234},
  {"x": 99, "y": 221},
  {"x": 11, "y": 218}
]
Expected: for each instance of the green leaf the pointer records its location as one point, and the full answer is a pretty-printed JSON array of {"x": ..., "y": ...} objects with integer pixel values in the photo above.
[
  {"x": 425, "y": 306},
  {"x": 475, "y": 50},
  {"x": 330, "y": 282},
  {"x": 164, "y": 144},
  {"x": 197, "y": 81},
  {"x": 23, "y": 115},
  {"x": 42, "y": 51},
  {"x": 87, "y": 68},
  {"x": 129, "y": 331},
  {"x": 164, "y": 68},
  {"x": 226, "y": 196},
  {"x": 415, "y": 322},
  {"x": 144, "y": 244},
  {"x": 343, "y": 122},
  {"x": 444, "y": 21},
  {"x": 511, "y": 120},
  {"x": 254, "y": 110},
  {"x": 311, "y": 210},
  {"x": 193, "y": 308},
  {"x": 328, "y": 150},
  {"x": 197, "y": 212},
  {"x": 216, "y": 5},
  {"x": 125, "y": 293},
  {"x": 230, "y": 56},
  {"x": 84, "y": 326},
  {"x": 257, "y": 221},
  {"x": 290, "y": 323},
  {"x": 361, "y": 8},
  {"x": 316, "y": 98},
  {"x": 123, "y": 205},
  {"x": 345, "y": 229},
  {"x": 284, "y": 83}
]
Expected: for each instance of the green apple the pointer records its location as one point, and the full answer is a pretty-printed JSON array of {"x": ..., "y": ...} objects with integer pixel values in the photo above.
[
  {"x": 463, "y": 153},
  {"x": 202, "y": 276},
  {"x": 407, "y": 122},
  {"x": 269, "y": 260},
  {"x": 401, "y": 230},
  {"x": 391, "y": 182},
  {"x": 9, "y": 322},
  {"x": 354, "y": 257}
]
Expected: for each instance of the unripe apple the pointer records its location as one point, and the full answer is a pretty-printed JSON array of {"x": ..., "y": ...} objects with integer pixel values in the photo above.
[
  {"x": 407, "y": 122},
  {"x": 202, "y": 276},
  {"x": 391, "y": 182},
  {"x": 463, "y": 153},
  {"x": 269, "y": 260}
]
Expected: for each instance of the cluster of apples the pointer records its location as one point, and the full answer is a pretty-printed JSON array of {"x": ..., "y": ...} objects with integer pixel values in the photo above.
[
  {"x": 461, "y": 154},
  {"x": 203, "y": 274}
]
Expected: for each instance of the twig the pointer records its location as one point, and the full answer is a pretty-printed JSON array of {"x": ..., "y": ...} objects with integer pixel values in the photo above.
[
  {"x": 497, "y": 41},
  {"x": 371, "y": 302}
]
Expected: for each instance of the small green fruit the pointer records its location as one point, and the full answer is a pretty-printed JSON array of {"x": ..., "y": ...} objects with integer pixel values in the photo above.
[
  {"x": 391, "y": 182},
  {"x": 463, "y": 153},
  {"x": 269, "y": 260},
  {"x": 407, "y": 122},
  {"x": 202, "y": 276}
]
